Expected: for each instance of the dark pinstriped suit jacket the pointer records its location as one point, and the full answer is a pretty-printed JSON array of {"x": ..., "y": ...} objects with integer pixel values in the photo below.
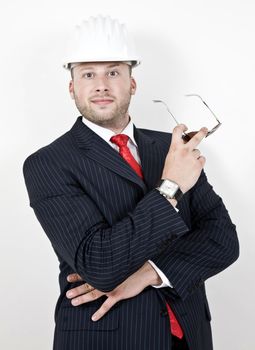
[{"x": 104, "y": 222}]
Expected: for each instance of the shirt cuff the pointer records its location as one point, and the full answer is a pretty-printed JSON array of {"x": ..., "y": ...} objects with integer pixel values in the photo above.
[
  {"x": 176, "y": 209},
  {"x": 165, "y": 280}
]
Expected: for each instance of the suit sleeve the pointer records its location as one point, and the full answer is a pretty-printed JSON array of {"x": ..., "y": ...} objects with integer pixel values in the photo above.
[
  {"x": 210, "y": 246},
  {"x": 103, "y": 255}
]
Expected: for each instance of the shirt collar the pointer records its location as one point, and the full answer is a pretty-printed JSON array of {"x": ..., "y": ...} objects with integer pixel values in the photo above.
[{"x": 106, "y": 134}]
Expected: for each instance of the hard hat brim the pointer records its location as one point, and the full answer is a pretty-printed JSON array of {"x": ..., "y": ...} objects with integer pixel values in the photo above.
[{"x": 134, "y": 63}]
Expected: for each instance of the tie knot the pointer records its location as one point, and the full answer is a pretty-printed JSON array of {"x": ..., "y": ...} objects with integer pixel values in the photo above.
[{"x": 120, "y": 140}]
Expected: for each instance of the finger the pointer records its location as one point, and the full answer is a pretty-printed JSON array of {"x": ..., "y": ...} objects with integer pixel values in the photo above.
[
  {"x": 178, "y": 133},
  {"x": 105, "y": 307},
  {"x": 202, "y": 160},
  {"x": 83, "y": 289},
  {"x": 197, "y": 138},
  {"x": 74, "y": 277},
  {"x": 196, "y": 153},
  {"x": 86, "y": 298}
]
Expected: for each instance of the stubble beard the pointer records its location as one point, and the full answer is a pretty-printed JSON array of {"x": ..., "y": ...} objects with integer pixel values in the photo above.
[{"x": 116, "y": 118}]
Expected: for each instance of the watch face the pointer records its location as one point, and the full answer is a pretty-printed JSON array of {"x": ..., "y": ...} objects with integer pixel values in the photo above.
[{"x": 169, "y": 187}]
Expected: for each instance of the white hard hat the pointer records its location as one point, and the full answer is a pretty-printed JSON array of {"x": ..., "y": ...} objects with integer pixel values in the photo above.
[{"x": 101, "y": 39}]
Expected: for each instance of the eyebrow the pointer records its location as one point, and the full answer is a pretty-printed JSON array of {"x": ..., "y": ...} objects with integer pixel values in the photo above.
[{"x": 113, "y": 65}]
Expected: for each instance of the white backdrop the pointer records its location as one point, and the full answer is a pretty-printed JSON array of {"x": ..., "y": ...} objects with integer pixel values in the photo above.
[{"x": 187, "y": 46}]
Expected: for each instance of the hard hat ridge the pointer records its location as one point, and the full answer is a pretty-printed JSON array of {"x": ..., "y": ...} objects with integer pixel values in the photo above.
[{"x": 101, "y": 39}]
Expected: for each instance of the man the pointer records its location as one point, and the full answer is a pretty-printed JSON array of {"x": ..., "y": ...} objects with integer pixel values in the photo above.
[{"x": 134, "y": 250}]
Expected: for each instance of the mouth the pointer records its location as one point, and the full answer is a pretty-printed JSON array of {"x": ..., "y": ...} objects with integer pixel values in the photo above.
[{"x": 102, "y": 101}]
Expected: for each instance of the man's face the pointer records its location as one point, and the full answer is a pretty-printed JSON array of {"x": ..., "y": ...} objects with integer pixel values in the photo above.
[{"x": 102, "y": 92}]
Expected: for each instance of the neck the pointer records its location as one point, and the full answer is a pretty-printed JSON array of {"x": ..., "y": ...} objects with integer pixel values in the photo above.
[{"x": 117, "y": 128}]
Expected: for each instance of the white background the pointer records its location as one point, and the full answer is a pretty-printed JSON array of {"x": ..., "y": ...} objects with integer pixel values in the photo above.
[{"x": 198, "y": 46}]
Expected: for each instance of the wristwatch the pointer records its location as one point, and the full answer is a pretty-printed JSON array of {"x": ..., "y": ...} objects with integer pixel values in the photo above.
[{"x": 169, "y": 189}]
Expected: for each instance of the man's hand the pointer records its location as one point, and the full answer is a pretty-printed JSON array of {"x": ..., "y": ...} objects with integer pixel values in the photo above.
[
  {"x": 184, "y": 163},
  {"x": 131, "y": 287}
]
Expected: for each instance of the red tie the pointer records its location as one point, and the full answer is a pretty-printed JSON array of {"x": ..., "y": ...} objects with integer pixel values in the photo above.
[{"x": 121, "y": 141}]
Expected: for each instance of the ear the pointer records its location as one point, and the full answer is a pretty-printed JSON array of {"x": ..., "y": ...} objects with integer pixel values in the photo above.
[
  {"x": 132, "y": 86},
  {"x": 71, "y": 89}
]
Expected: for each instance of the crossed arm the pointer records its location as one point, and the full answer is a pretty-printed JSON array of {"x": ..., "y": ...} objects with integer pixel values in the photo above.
[{"x": 208, "y": 248}]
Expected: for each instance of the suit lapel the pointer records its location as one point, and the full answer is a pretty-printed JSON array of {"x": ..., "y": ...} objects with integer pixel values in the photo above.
[
  {"x": 152, "y": 157},
  {"x": 97, "y": 149}
]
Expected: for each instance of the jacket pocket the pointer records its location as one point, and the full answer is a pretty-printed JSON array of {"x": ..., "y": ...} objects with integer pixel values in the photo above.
[{"x": 79, "y": 318}]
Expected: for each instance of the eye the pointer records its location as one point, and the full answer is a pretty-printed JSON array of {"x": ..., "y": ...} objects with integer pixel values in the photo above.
[
  {"x": 113, "y": 73},
  {"x": 88, "y": 75}
]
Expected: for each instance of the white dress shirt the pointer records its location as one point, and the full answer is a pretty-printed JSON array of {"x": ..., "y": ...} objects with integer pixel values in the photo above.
[{"x": 106, "y": 135}]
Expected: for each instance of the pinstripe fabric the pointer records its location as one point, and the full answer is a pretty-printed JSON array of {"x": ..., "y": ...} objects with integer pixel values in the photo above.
[{"x": 104, "y": 222}]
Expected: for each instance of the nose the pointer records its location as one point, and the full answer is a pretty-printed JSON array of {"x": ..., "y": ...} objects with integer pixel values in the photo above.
[{"x": 101, "y": 84}]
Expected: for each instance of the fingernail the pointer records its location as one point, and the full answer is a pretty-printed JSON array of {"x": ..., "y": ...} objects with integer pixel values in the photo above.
[
  {"x": 69, "y": 294},
  {"x": 93, "y": 318},
  {"x": 205, "y": 129},
  {"x": 75, "y": 302}
]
